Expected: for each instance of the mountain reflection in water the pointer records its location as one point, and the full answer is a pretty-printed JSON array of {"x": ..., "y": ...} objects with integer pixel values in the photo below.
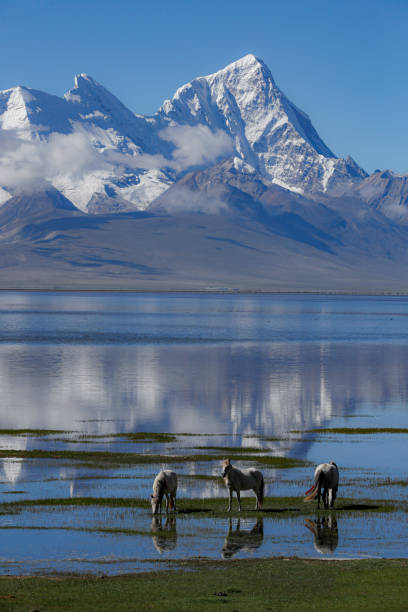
[
  {"x": 238, "y": 388},
  {"x": 222, "y": 364}
]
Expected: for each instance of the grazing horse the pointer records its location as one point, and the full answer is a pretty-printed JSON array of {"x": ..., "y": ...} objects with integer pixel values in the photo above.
[
  {"x": 165, "y": 484},
  {"x": 326, "y": 479},
  {"x": 237, "y": 480}
]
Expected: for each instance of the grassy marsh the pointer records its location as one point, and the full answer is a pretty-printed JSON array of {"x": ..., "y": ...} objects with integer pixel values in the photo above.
[
  {"x": 288, "y": 585},
  {"x": 33, "y": 432},
  {"x": 211, "y": 506},
  {"x": 104, "y": 458},
  {"x": 360, "y": 430}
]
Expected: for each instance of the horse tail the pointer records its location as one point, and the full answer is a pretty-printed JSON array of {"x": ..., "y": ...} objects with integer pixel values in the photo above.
[
  {"x": 312, "y": 492},
  {"x": 262, "y": 490}
]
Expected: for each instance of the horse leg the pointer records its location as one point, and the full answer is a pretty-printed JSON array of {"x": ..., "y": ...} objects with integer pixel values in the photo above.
[
  {"x": 174, "y": 502},
  {"x": 257, "y": 499},
  {"x": 239, "y": 499},
  {"x": 334, "y": 495},
  {"x": 326, "y": 498},
  {"x": 230, "y": 499},
  {"x": 319, "y": 494},
  {"x": 167, "y": 502}
]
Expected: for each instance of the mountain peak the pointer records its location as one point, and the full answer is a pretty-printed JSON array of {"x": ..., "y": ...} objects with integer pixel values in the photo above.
[
  {"x": 267, "y": 130},
  {"x": 249, "y": 70},
  {"x": 83, "y": 80},
  {"x": 86, "y": 90},
  {"x": 248, "y": 61},
  {"x": 93, "y": 96}
]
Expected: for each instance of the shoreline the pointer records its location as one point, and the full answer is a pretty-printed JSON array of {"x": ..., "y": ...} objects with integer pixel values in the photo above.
[{"x": 318, "y": 292}]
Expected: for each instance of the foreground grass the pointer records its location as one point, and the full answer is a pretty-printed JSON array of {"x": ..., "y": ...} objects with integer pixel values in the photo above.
[{"x": 276, "y": 584}]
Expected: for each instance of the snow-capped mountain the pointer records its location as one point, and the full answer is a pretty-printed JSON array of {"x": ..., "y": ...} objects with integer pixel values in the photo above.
[
  {"x": 268, "y": 131},
  {"x": 104, "y": 158},
  {"x": 94, "y": 141}
]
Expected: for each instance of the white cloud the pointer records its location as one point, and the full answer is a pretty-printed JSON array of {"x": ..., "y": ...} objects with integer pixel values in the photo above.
[
  {"x": 196, "y": 145},
  {"x": 25, "y": 164},
  {"x": 184, "y": 199}
]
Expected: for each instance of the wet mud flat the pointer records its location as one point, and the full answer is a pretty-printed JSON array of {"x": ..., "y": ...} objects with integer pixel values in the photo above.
[{"x": 80, "y": 503}]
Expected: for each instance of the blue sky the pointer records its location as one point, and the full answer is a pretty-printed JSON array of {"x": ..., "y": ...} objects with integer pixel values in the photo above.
[{"x": 343, "y": 62}]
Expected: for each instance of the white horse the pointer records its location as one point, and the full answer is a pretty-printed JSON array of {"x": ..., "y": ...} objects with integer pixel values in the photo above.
[
  {"x": 326, "y": 479},
  {"x": 165, "y": 484},
  {"x": 242, "y": 480}
]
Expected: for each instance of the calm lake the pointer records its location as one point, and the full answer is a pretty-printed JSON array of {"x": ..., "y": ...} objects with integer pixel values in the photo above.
[{"x": 251, "y": 371}]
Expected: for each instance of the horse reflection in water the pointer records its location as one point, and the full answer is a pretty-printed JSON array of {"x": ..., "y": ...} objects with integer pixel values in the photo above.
[
  {"x": 164, "y": 536},
  {"x": 245, "y": 539},
  {"x": 326, "y": 533}
]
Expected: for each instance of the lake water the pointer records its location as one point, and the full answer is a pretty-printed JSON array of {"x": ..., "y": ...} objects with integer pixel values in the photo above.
[{"x": 232, "y": 368}]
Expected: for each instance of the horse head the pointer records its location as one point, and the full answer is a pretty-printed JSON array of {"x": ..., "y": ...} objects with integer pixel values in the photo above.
[
  {"x": 154, "y": 500},
  {"x": 226, "y": 467}
]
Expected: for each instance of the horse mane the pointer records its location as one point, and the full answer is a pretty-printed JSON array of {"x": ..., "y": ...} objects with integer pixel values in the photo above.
[{"x": 158, "y": 490}]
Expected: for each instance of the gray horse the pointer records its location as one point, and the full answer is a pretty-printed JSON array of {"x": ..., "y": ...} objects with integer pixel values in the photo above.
[
  {"x": 165, "y": 485},
  {"x": 326, "y": 482},
  {"x": 243, "y": 480}
]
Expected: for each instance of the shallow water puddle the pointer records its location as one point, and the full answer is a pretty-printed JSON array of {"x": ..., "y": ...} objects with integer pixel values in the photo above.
[{"x": 46, "y": 547}]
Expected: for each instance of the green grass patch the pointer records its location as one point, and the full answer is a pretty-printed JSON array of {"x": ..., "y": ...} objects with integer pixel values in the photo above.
[
  {"x": 104, "y": 458},
  {"x": 202, "y": 477},
  {"x": 215, "y": 506},
  {"x": 360, "y": 430},
  {"x": 139, "y": 436},
  {"x": 59, "y": 502},
  {"x": 392, "y": 483},
  {"x": 107, "y": 530},
  {"x": 234, "y": 449},
  {"x": 282, "y": 585},
  {"x": 33, "y": 432}
]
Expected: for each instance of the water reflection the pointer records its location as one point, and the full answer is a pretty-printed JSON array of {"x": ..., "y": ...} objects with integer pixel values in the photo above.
[
  {"x": 12, "y": 466},
  {"x": 325, "y": 532},
  {"x": 164, "y": 536},
  {"x": 240, "y": 388},
  {"x": 239, "y": 365},
  {"x": 246, "y": 540}
]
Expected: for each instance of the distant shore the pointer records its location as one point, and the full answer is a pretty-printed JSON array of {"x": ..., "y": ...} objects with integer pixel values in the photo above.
[{"x": 215, "y": 291}]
